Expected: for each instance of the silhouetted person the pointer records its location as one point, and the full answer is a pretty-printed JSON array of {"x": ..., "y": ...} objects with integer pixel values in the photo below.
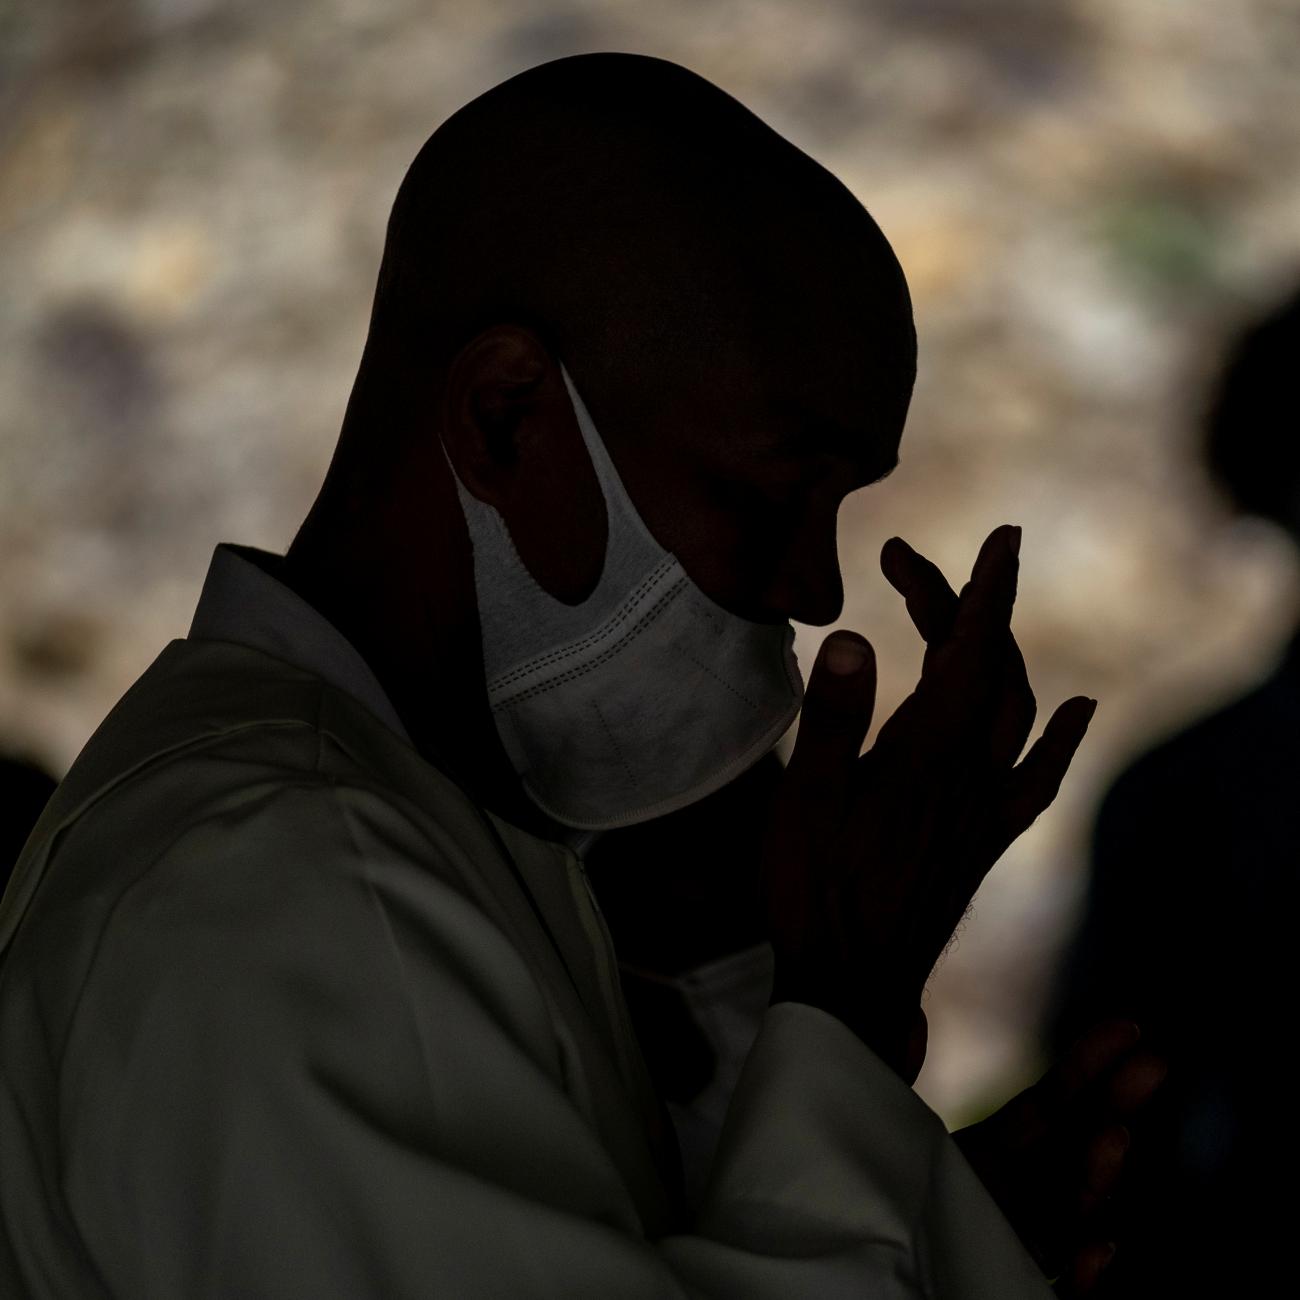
[
  {"x": 304, "y": 992},
  {"x": 1189, "y": 920},
  {"x": 25, "y": 786}
]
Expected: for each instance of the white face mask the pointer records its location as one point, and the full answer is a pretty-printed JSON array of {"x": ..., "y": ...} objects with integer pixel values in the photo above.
[{"x": 640, "y": 700}]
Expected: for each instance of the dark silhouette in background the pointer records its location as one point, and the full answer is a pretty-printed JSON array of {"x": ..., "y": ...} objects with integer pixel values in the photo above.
[
  {"x": 25, "y": 787},
  {"x": 1189, "y": 922}
]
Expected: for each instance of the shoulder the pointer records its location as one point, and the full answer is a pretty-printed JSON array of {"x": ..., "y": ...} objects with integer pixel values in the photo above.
[{"x": 307, "y": 920}]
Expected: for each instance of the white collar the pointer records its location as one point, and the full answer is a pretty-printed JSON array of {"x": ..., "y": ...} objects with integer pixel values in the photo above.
[{"x": 243, "y": 601}]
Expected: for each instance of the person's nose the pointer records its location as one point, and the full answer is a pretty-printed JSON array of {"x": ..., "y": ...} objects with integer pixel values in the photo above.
[
  {"x": 810, "y": 589},
  {"x": 819, "y": 608}
]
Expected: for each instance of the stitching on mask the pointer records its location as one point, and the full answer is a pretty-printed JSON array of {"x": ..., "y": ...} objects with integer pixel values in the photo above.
[
  {"x": 720, "y": 681},
  {"x": 566, "y": 652},
  {"x": 583, "y": 670},
  {"x": 613, "y": 744}
]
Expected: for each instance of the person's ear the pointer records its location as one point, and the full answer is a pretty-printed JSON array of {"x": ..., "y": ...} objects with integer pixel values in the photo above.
[{"x": 488, "y": 412}]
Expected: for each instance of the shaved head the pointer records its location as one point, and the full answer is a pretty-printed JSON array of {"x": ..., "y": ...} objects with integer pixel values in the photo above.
[
  {"x": 735, "y": 323},
  {"x": 654, "y": 232}
]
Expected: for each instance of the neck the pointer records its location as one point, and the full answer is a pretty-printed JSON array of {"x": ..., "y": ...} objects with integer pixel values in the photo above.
[{"x": 404, "y": 598}]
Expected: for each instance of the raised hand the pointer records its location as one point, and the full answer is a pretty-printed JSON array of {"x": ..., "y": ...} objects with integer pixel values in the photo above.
[{"x": 871, "y": 860}]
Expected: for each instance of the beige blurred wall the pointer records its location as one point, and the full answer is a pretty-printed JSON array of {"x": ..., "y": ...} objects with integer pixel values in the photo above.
[{"x": 1087, "y": 199}]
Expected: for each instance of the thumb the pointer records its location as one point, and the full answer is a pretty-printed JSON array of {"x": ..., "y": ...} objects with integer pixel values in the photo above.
[
  {"x": 814, "y": 790},
  {"x": 837, "y": 708}
]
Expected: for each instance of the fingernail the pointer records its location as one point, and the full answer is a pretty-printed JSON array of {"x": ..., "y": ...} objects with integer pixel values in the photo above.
[
  {"x": 1013, "y": 540},
  {"x": 845, "y": 655}
]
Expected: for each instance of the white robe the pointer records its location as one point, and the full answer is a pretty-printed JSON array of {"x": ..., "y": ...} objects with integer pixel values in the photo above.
[{"x": 277, "y": 1020}]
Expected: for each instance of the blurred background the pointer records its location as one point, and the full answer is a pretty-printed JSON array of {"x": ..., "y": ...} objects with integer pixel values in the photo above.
[{"x": 1089, "y": 202}]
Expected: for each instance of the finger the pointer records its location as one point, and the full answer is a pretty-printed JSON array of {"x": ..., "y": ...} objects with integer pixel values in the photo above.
[
  {"x": 1103, "y": 1165},
  {"x": 1095, "y": 1050},
  {"x": 932, "y": 605},
  {"x": 986, "y": 601},
  {"x": 1085, "y": 1270},
  {"x": 931, "y": 601},
  {"x": 814, "y": 788},
  {"x": 1017, "y": 708},
  {"x": 1135, "y": 1083},
  {"x": 836, "y": 715},
  {"x": 960, "y": 681},
  {"x": 1035, "y": 782}
]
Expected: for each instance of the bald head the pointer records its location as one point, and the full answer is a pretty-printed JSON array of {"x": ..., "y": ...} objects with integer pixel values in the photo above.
[
  {"x": 734, "y": 321},
  {"x": 654, "y": 232}
]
